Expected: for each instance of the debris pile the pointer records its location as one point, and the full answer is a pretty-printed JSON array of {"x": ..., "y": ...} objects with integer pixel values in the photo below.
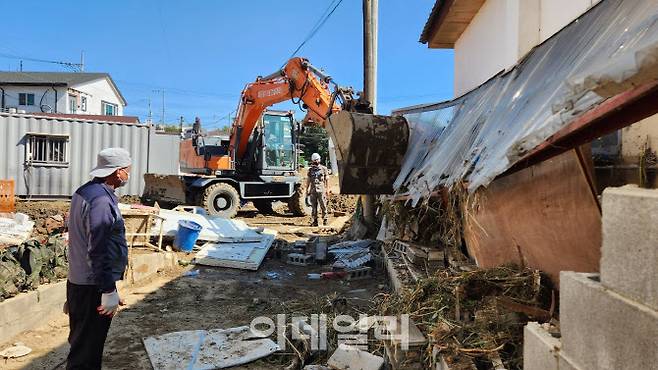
[
  {"x": 474, "y": 317},
  {"x": 436, "y": 222},
  {"x": 42, "y": 211},
  {"x": 340, "y": 203},
  {"x": 32, "y": 263}
]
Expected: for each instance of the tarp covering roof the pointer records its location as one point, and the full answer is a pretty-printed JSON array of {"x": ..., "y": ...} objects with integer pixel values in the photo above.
[{"x": 476, "y": 137}]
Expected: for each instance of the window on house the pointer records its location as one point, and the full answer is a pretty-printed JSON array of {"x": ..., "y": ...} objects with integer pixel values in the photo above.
[
  {"x": 109, "y": 109},
  {"x": 47, "y": 150},
  {"x": 25, "y": 99},
  {"x": 73, "y": 104},
  {"x": 83, "y": 103}
]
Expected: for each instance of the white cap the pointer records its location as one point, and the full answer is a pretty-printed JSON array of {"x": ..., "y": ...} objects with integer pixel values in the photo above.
[
  {"x": 110, "y": 160},
  {"x": 315, "y": 157}
]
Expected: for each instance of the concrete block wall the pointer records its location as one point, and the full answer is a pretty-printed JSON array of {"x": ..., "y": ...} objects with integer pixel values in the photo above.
[
  {"x": 34, "y": 308},
  {"x": 609, "y": 321},
  {"x": 629, "y": 254},
  {"x": 601, "y": 329},
  {"x": 31, "y": 309}
]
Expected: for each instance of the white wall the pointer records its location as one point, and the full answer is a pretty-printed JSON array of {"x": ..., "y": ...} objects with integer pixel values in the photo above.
[
  {"x": 555, "y": 14},
  {"x": 504, "y": 31},
  {"x": 11, "y": 98},
  {"x": 96, "y": 92}
]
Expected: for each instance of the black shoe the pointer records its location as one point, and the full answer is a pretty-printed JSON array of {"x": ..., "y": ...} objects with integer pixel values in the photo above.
[{"x": 314, "y": 223}]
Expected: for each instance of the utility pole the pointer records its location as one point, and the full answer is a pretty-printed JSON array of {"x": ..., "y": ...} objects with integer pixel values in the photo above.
[
  {"x": 82, "y": 61},
  {"x": 162, "y": 91},
  {"x": 149, "y": 118},
  {"x": 370, "y": 14}
]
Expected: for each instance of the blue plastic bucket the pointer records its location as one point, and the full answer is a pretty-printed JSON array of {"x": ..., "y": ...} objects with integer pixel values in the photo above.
[{"x": 188, "y": 233}]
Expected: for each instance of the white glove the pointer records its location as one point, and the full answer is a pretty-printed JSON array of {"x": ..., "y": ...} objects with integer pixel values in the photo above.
[{"x": 109, "y": 303}]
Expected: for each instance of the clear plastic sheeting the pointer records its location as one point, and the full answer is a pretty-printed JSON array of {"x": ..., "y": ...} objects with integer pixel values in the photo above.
[{"x": 610, "y": 49}]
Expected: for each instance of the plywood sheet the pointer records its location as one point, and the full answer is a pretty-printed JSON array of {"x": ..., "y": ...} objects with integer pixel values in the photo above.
[{"x": 545, "y": 216}]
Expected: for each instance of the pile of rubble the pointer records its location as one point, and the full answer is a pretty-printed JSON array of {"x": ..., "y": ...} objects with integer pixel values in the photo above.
[
  {"x": 474, "y": 318},
  {"x": 32, "y": 263}
]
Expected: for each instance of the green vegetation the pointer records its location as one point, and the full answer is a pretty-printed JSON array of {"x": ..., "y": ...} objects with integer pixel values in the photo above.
[{"x": 315, "y": 140}]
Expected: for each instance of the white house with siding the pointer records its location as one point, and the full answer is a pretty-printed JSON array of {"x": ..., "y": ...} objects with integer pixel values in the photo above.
[{"x": 61, "y": 92}]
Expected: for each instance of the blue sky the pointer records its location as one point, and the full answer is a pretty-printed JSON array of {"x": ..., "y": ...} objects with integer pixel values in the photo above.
[{"x": 204, "y": 52}]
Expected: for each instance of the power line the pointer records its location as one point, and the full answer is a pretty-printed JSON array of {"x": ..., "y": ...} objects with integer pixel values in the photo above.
[
  {"x": 323, "y": 19},
  {"x": 74, "y": 66}
]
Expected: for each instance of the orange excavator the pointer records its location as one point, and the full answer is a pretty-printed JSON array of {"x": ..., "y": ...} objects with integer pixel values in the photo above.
[{"x": 258, "y": 162}]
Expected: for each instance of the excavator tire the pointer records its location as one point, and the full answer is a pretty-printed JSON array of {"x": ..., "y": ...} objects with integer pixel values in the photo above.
[
  {"x": 297, "y": 204},
  {"x": 221, "y": 199},
  {"x": 264, "y": 206}
]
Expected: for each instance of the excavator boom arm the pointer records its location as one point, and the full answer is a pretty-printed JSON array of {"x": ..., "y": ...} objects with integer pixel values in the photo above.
[{"x": 298, "y": 79}]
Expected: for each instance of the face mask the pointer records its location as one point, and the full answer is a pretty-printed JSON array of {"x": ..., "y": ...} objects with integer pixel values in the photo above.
[{"x": 124, "y": 182}]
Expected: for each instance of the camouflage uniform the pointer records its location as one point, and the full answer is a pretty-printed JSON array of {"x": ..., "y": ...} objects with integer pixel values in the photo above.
[{"x": 317, "y": 176}]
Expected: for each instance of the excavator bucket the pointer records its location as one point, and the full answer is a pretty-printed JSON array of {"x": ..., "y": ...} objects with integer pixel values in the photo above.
[
  {"x": 369, "y": 150},
  {"x": 165, "y": 189}
]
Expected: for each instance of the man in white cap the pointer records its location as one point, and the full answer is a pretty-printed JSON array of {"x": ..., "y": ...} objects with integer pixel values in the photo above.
[
  {"x": 317, "y": 183},
  {"x": 98, "y": 255}
]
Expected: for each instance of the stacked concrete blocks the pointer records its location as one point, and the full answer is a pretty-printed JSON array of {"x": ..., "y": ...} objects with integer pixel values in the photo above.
[{"x": 609, "y": 321}]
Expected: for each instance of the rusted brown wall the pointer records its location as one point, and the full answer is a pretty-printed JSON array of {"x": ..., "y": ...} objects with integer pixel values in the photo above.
[{"x": 545, "y": 216}]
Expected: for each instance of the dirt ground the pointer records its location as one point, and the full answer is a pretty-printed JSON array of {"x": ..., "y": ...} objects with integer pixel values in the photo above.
[{"x": 216, "y": 298}]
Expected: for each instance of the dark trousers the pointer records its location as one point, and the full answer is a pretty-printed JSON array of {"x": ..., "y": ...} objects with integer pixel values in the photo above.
[{"x": 88, "y": 327}]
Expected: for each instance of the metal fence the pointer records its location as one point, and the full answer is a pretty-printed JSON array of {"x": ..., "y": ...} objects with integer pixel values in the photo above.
[{"x": 52, "y": 157}]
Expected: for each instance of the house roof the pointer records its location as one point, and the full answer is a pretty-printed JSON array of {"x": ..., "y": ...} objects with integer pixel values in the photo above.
[
  {"x": 447, "y": 21},
  {"x": 56, "y": 78}
]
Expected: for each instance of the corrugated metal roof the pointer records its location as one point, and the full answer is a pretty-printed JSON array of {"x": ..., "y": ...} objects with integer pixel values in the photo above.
[{"x": 476, "y": 137}]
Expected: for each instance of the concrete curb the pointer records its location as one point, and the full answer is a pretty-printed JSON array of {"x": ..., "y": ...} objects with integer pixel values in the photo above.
[{"x": 29, "y": 310}]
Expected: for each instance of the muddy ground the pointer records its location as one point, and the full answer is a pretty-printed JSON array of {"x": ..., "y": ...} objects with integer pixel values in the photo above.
[{"x": 216, "y": 298}]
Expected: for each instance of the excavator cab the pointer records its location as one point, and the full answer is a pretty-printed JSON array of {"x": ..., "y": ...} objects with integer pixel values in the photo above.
[{"x": 278, "y": 154}]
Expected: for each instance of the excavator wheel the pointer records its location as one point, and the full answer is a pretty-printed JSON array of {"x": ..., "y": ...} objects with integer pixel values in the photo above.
[
  {"x": 221, "y": 199},
  {"x": 297, "y": 204},
  {"x": 264, "y": 206}
]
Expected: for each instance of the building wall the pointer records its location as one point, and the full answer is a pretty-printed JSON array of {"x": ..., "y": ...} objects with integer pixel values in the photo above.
[
  {"x": 555, "y": 14},
  {"x": 45, "y": 92},
  {"x": 86, "y": 139},
  {"x": 504, "y": 31},
  {"x": 98, "y": 91}
]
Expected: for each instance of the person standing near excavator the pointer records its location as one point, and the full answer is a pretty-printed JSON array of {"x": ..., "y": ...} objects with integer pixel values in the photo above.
[
  {"x": 317, "y": 183},
  {"x": 98, "y": 255}
]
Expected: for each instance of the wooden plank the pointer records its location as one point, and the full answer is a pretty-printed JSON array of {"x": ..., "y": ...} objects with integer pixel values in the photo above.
[{"x": 543, "y": 217}]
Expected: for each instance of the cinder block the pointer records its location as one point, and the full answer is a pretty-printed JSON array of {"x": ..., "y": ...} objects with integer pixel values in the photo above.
[
  {"x": 400, "y": 246},
  {"x": 629, "y": 254},
  {"x": 359, "y": 274},
  {"x": 299, "y": 259},
  {"x": 540, "y": 349},
  {"x": 602, "y": 329}
]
